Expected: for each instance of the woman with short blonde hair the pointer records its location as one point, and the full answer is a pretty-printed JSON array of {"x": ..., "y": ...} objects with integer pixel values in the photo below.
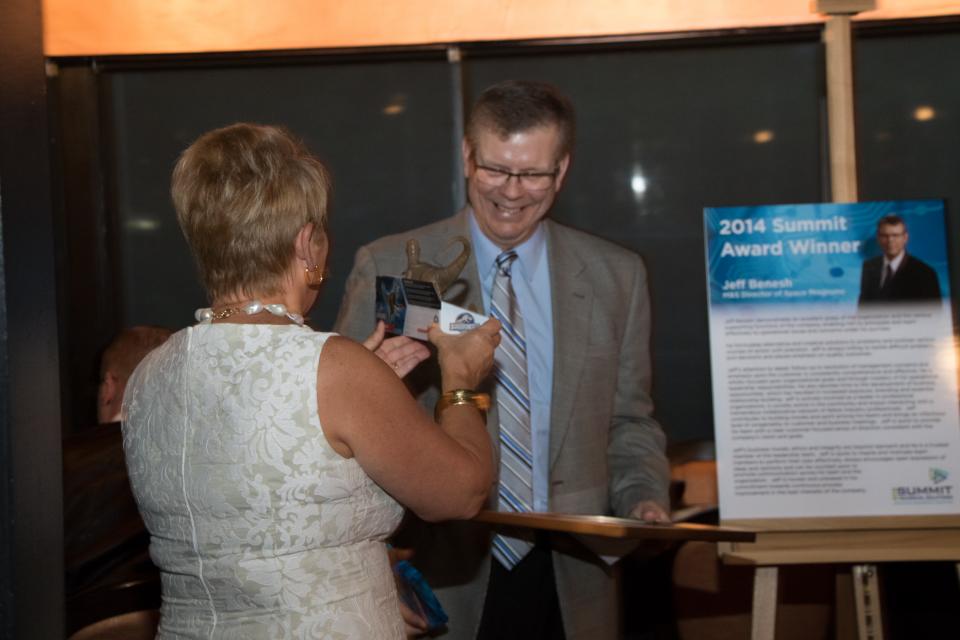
[
  {"x": 270, "y": 461},
  {"x": 241, "y": 193}
]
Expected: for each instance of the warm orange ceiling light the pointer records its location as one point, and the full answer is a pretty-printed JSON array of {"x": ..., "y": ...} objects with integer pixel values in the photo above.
[{"x": 82, "y": 27}]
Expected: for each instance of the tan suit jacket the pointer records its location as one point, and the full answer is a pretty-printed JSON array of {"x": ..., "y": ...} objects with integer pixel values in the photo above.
[{"x": 606, "y": 451}]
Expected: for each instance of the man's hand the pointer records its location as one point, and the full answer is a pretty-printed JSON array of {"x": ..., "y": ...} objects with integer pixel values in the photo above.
[
  {"x": 649, "y": 511},
  {"x": 403, "y": 354}
]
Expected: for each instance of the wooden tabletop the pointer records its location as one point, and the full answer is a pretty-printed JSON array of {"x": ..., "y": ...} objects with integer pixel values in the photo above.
[{"x": 609, "y": 527}]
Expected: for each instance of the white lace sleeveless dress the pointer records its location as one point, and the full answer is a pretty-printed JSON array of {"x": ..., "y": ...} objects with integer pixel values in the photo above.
[{"x": 259, "y": 528}]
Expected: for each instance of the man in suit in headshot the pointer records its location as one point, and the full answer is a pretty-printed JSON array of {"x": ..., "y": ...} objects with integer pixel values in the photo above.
[
  {"x": 896, "y": 276},
  {"x": 572, "y": 410}
]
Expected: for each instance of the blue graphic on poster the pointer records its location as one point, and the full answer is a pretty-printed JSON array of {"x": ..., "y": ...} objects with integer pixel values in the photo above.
[{"x": 812, "y": 253}]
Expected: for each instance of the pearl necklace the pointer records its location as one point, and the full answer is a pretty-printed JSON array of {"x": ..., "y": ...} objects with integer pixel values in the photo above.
[{"x": 253, "y": 307}]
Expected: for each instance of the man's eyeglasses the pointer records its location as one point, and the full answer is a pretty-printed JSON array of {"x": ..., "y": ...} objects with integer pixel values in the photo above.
[{"x": 532, "y": 180}]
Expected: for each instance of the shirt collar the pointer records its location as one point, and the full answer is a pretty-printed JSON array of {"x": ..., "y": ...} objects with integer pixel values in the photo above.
[
  {"x": 530, "y": 252},
  {"x": 896, "y": 262}
]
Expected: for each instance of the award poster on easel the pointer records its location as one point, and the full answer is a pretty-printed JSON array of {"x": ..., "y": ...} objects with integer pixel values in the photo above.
[{"x": 833, "y": 360}]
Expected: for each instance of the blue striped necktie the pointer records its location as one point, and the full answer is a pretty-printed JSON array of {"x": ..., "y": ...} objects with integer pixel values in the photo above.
[{"x": 513, "y": 406}]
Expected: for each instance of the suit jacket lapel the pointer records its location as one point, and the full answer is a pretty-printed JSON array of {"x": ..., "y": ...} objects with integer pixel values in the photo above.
[{"x": 572, "y": 304}]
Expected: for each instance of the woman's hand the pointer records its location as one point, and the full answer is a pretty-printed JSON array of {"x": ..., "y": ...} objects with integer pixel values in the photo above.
[
  {"x": 466, "y": 359},
  {"x": 403, "y": 354},
  {"x": 416, "y": 624},
  {"x": 441, "y": 472}
]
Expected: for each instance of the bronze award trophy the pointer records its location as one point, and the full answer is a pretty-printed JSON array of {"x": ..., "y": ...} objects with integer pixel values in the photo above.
[{"x": 409, "y": 304}]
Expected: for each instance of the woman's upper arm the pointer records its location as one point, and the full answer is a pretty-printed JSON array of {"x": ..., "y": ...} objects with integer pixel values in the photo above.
[{"x": 368, "y": 413}]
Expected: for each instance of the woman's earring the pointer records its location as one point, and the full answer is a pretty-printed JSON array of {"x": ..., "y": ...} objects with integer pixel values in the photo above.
[{"x": 314, "y": 276}]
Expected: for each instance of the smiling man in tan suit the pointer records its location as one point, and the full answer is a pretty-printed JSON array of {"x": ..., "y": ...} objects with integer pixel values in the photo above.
[{"x": 573, "y": 414}]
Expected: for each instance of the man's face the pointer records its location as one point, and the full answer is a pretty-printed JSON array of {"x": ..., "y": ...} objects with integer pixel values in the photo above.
[
  {"x": 892, "y": 238},
  {"x": 109, "y": 398},
  {"x": 508, "y": 214}
]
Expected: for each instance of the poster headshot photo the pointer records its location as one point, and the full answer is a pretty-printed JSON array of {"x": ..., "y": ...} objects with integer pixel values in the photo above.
[
  {"x": 827, "y": 254},
  {"x": 897, "y": 274}
]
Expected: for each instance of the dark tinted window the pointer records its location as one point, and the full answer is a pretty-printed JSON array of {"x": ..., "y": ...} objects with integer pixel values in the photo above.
[{"x": 385, "y": 130}]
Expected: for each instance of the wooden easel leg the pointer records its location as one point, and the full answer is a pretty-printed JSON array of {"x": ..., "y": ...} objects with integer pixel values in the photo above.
[
  {"x": 764, "y": 622},
  {"x": 867, "y": 590}
]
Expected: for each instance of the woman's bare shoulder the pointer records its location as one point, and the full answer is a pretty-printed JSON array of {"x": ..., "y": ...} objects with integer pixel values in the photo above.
[{"x": 345, "y": 362}]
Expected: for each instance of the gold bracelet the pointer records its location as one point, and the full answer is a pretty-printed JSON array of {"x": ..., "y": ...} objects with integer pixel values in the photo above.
[{"x": 461, "y": 396}]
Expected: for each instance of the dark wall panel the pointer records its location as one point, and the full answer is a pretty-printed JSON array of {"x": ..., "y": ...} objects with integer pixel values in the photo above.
[{"x": 31, "y": 527}]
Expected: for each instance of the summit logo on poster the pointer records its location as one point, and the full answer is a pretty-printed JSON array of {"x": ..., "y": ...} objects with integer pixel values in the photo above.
[{"x": 937, "y": 492}]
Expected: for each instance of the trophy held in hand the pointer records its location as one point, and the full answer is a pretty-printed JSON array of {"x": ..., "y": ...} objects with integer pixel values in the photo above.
[{"x": 410, "y": 303}]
